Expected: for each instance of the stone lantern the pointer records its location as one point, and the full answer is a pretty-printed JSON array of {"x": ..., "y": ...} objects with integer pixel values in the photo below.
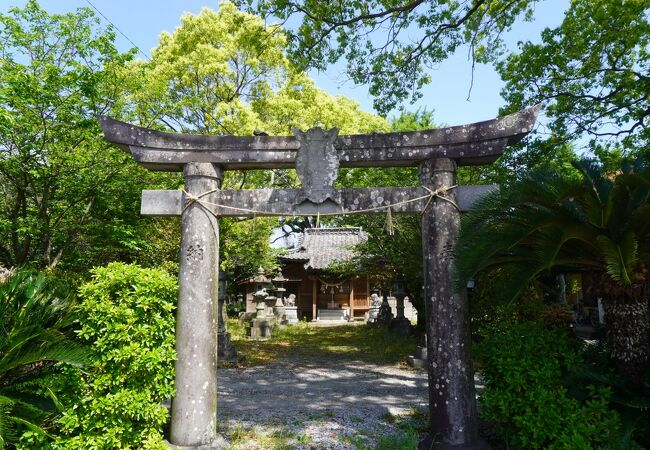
[
  {"x": 400, "y": 324},
  {"x": 278, "y": 308},
  {"x": 261, "y": 326},
  {"x": 225, "y": 348},
  {"x": 261, "y": 284}
]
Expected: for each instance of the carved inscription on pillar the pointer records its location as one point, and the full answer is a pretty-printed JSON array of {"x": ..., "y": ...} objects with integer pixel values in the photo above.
[{"x": 194, "y": 252}]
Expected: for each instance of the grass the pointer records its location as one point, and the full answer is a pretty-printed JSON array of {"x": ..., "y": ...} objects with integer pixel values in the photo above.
[
  {"x": 276, "y": 438},
  {"x": 410, "y": 426},
  {"x": 368, "y": 344},
  {"x": 402, "y": 433}
]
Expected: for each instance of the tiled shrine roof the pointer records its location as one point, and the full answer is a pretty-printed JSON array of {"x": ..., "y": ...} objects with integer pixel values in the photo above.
[{"x": 320, "y": 247}]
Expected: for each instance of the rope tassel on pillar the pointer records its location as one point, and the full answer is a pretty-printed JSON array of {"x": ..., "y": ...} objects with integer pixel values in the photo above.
[{"x": 389, "y": 222}]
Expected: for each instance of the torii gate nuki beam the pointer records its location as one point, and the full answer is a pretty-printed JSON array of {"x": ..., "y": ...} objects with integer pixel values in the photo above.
[{"x": 317, "y": 154}]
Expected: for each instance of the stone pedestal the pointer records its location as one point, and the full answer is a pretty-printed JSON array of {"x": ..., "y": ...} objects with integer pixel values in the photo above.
[
  {"x": 333, "y": 315},
  {"x": 291, "y": 314},
  {"x": 261, "y": 328},
  {"x": 401, "y": 326},
  {"x": 419, "y": 359}
]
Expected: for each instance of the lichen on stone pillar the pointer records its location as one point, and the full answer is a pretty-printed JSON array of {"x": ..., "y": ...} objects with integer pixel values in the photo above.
[
  {"x": 194, "y": 407},
  {"x": 452, "y": 404}
]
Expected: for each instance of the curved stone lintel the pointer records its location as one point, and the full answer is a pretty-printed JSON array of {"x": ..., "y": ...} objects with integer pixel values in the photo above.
[{"x": 475, "y": 143}]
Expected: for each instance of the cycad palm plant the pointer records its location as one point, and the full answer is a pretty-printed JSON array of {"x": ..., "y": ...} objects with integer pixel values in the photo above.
[
  {"x": 35, "y": 319},
  {"x": 549, "y": 221}
]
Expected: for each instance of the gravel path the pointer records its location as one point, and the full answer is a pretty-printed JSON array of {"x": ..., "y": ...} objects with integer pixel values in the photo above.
[{"x": 331, "y": 404}]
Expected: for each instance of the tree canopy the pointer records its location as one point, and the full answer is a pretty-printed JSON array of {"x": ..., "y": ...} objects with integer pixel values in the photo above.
[
  {"x": 57, "y": 75},
  {"x": 226, "y": 72},
  {"x": 592, "y": 73},
  {"x": 388, "y": 44}
]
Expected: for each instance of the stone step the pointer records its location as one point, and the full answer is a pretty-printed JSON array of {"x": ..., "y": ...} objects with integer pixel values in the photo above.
[
  {"x": 418, "y": 363},
  {"x": 333, "y": 314}
]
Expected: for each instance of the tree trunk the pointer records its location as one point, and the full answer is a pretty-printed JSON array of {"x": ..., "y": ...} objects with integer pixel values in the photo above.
[{"x": 628, "y": 332}]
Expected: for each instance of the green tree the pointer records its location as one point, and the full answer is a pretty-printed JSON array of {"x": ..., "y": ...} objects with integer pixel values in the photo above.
[
  {"x": 548, "y": 222},
  {"x": 591, "y": 73},
  {"x": 36, "y": 316},
  {"x": 393, "y": 65},
  {"x": 227, "y": 72},
  {"x": 63, "y": 187}
]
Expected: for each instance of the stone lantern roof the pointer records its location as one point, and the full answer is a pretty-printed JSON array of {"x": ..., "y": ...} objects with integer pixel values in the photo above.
[{"x": 260, "y": 278}]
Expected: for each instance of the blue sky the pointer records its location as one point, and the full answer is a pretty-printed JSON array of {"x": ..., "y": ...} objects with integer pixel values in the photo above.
[{"x": 143, "y": 20}]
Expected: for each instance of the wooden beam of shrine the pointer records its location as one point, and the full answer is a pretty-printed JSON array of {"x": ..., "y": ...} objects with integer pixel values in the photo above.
[
  {"x": 273, "y": 202},
  {"x": 471, "y": 144}
]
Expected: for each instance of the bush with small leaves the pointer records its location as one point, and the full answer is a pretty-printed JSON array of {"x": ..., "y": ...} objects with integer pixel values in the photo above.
[
  {"x": 525, "y": 399},
  {"x": 127, "y": 317}
]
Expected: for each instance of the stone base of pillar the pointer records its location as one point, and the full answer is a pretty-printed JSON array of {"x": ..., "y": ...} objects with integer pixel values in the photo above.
[
  {"x": 261, "y": 329},
  {"x": 218, "y": 444},
  {"x": 419, "y": 359},
  {"x": 291, "y": 315},
  {"x": 428, "y": 444}
]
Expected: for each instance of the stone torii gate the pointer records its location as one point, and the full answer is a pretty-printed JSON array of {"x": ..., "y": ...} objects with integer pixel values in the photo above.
[{"x": 316, "y": 155}]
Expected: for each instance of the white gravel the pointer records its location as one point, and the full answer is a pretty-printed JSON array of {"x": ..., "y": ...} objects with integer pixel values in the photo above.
[{"x": 329, "y": 404}]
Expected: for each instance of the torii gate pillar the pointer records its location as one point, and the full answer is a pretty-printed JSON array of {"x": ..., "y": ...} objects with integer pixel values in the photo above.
[
  {"x": 452, "y": 407},
  {"x": 194, "y": 407}
]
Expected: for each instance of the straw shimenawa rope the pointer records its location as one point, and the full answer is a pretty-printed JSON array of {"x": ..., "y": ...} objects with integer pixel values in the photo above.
[{"x": 432, "y": 193}]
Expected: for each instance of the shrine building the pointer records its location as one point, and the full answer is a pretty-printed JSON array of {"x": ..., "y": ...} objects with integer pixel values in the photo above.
[{"x": 320, "y": 295}]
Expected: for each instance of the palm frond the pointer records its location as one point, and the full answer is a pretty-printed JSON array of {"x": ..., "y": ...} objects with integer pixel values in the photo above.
[
  {"x": 619, "y": 257},
  {"x": 36, "y": 317},
  {"x": 7, "y": 426},
  {"x": 67, "y": 352},
  {"x": 545, "y": 219}
]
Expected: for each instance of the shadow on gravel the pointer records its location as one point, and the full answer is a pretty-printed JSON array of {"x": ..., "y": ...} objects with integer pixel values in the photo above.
[
  {"x": 333, "y": 388},
  {"x": 319, "y": 386}
]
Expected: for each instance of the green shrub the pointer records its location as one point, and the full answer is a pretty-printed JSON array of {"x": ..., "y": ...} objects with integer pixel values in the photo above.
[
  {"x": 233, "y": 309},
  {"x": 524, "y": 365},
  {"x": 127, "y": 317}
]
